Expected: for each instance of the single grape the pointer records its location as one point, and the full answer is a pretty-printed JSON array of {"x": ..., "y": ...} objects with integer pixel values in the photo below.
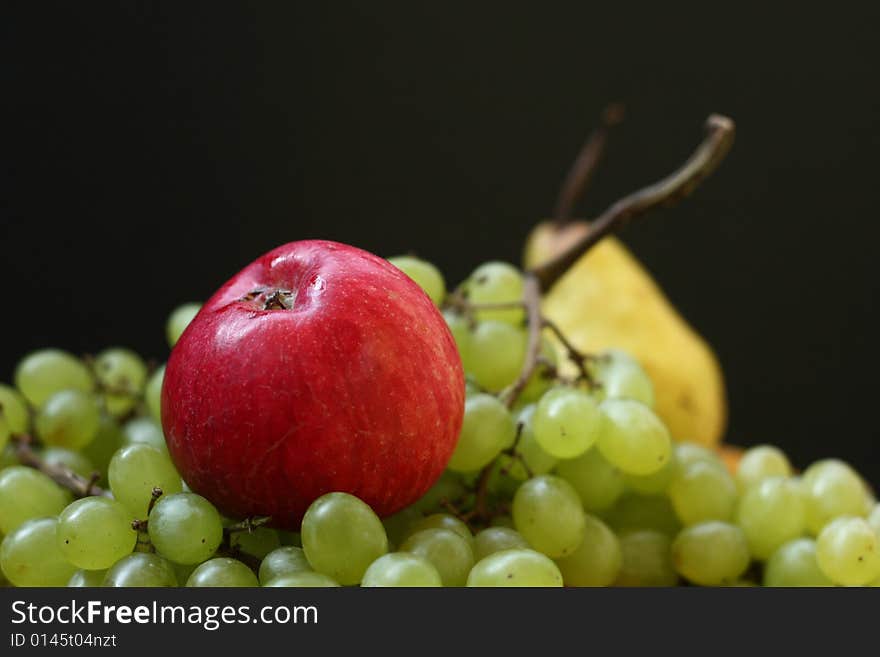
[
  {"x": 281, "y": 561},
  {"x": 759, "y": 463},
  {"x": 496, "y": 283},
  {"x": 13, "y": 408},
  {"x": 144, "y": 430},
  {"x": 687, "y": 453},
  {"x": 597, "y": 560},
  {"x": 75, "y": 461},
  {"x": 621, "y": 377},
  {"x": 486, "y": 430},
  {"x": 460, "y": 328},
  {"x": 222, "y": 572},
  {"x": 397, "y": 525},
  {"x": 566, "y": 422},
  {"x": 647, "y": 559},
  {"x": 495, "y": 539},
  {"x": 794, "y": 564},
  {"x": 443, "y": 521},
  {"x": 185, "y": 528},
  {"x": 104, "y": 445},
  {"x": 257, "y": 543},
  {"x": 771, "y": 513},
  {"x": 121, "y": 375},
  {"x": 597, "y": 482},
  {"x": 548, "y": 513},
  {"x": 87, "y": 579},
  {"x": 848, "y": 551},
  {"x": 178, "y": 320},
  {"x": 141, "y": 569},
  {"x": 43, "y": 373},
  {"x": 135, "y": 470},
  {"x": 95, "y": 532},
  {"x": 633, "y": 438},
  {"x": 656, "y": 482},
  {"x": 153, "y": 394},
  {"x": 636, "y": 511},
  {"x": 702, "y": 491},
  {"x": 29, "y": 555},
  {"x": 531, "y": 459},
  {"x": 446, "y": 550},
  {"x": 401, "y": 569},
  {"x": 495, "y": 354},
  {"x": 303, "y": 580},
  {"x": 426, "y": 276},
  {"x": 26, "y": 493},
  {"x": 711, "y": 553},
  {"x": 342, "y": 536},
  {"x": 832, "y": 489},
  {"x": 516, "y": 567},
  {"x": 69, "y": 418}
]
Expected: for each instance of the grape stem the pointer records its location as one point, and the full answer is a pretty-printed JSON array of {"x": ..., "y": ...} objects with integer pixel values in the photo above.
[
  {"x": 61, "y": 475},
  {"x": 247, "y": 525}
]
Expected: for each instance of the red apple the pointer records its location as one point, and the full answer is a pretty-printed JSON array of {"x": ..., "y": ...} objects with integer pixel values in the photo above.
[{"x": 319, "y": 367}]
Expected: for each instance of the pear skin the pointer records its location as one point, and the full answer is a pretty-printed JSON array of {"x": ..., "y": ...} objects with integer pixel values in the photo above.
[{"x": 607, "y": 299}]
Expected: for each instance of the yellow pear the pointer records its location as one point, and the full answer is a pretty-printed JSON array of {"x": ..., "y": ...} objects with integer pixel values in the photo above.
[{"x": 607, "y": 299}]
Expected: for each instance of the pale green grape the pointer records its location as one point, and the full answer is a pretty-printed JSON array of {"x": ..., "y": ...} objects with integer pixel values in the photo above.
[
  {"x": 447, "y": 551},
  {"x": 832, "y": 489},
  {"x": 647, "y": 559},
  {"x": 460, "y": 328},
  {"x": 486, "y": 430},
  {"x": 544, "y": 376},
  {"x": 636, "y": 511},
  {"x": 711, "y": 553},
  {"x": 495, "y": 354},
  {"x": 597, "y": 560},
  {"x": 548, "y": 513},
  {"x": 26, "y": 493},
  {"x": 29, "y": 555},
  {"x": 141, "y": 569},
  {"x": 443, "y": 521},
  {"x": 178, "y": 320},
  {"x": 342, "y": 536},
  {"x": 496, "y": 282},
  {"x": 122, "y": 375},
  {"x": 516, "y": 567},
  {"x": 771, "y": 513},
  {"x": 702, "y": 491},
  {"x": 759, "y": 463},
  {"x": 566, "y": 422},
  {"x": 281, "y": 561},
  {"x": 794, "y": 564},
  {"x": 75, "y": 461},
  {"x": 874, "y": 519},
  {"x": 303, "y": 580},
  {"x": 529, "y": 453},
  {"x": 87, "y": 578},
  {"x": 134, "y": 472},
  {"x": 633, "y": 438},
  {"x": 621, "y": 377},
  {"x": 48, "y": 371},
  {"x": 13, "y": 408},
  {"x": 95, "y": 532},
  {"x": 426, "y": 276},
  {"x": 401, "y": 569},
  {"x": 258, "y": 543},
  {"x": 185, "y": 528},
  {"x": 222, "y": 572},
  {"x": 597, "y": 482},
  {"x": 69, "y": 418},
  {"x": 848, "y": 551},
  {"x": 144, "y": 430},
  {"x": 656, "y": 482},
  {"x": 104, "y": 445},
  {"x": 496, "y": 539},
  {"x": 153, "y": 394},
  {"x": 687, "y": 453}
]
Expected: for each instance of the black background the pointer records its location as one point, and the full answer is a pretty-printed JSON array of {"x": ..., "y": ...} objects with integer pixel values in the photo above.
[{"x": 150, "y": 150}]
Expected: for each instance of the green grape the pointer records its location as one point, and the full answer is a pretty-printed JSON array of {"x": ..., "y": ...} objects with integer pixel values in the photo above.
[
  {"x": 496, "y": 539},
  {"x": 495, "y": 354},
  {"x": 446, "y": 550},
  {"x": 597, "y": 482},
  {"x": 141, "y": 569},
  {"x": 342, "y": 536},
  {"x": 29, "y": 555},
  {"x": 104, "y": 445},
  {"x": 496, "y": 283},
  {"x": 122, "y": 375},
  {"x": 633, "y": 438},
  {"x": 687, "y": 453},
  {"x": 185, "y": 528},
  {"x": 303, "y": 580},
  {"x": 621, "y": 377},
  {"x": 178, "y": 320},
  {"x": 449, "y": 487},
  {"x": 515, "y": 567},
  {"x": 95, "y": 532},
  {"x": 69, "y": 418},
  {"x": 257, "y": 543},
  {"x": 531, "y": 459},
  {"x": 597, "y": 560},
  {"x": 222, "y": 572},
  {"x": 153, "y": 394},
  {"x": 144, "y": 430},
  {"x": 13, "y": 408},
  {"x": 8, "y": 457},
  {"x": 486, "y": 430},
  {"x": 26, "y": 493},
  {"x": 770, "y": 514},
  {"x": 874, "y": 519},
  {"x": 397, "y": 525},
  {"x": 87, "y": 578},
  {"x": 48, "y": 371},
  {"x": 566, "y": 422},
  {"x": 759, "y": 463},
  {"x": 443, "y": 521},
  {"x": 848, "y": 551},
  {"x": 4, "y": 431},
  {"x": 133, "y": 473},
  {"x": 832, "y": 489},
  {"x": 183, "y": 571},
  {"x": 426, "y": 276},
  {"x": 794, "y": 564},
  {"x": 647, "y": 559},
  {"x": 711, "y": 553},
  {"x": 75, "y": 461},
  {"x": 656, "y": 482},
  {"x": 460, "y": 328},
  {"x": 401, "y": 569},
  {"x": 702, "y": 491},
  {"x": 544, "y": 376},
  {"x": 548, "y": 513},
  {"x": 281, "y": 561},
  {"x": 636, "y": 511}
]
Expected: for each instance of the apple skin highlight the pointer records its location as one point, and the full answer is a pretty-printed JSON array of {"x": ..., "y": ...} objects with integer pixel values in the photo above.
[{"x": 319, "y": 367}]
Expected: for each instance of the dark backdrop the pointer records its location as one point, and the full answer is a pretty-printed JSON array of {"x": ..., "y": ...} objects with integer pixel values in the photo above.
[{"x": 151, "y": 149}]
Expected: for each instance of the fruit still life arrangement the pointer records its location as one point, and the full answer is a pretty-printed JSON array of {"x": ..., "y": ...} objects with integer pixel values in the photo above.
[{"x": 332, "y": 418}]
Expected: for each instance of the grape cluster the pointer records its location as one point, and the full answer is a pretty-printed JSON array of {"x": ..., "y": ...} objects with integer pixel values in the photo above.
[{"x": 566, "y": 478}]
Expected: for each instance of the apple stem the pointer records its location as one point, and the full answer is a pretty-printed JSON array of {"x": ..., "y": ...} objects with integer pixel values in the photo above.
[{"x": 61, "y": 475}]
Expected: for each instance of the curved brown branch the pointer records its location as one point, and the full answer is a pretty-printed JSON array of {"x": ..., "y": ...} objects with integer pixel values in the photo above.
[
  {"x": 671, "y": 189},
  {"x": 535, "y": 322},
  {"x": 64, "y": 477}
]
